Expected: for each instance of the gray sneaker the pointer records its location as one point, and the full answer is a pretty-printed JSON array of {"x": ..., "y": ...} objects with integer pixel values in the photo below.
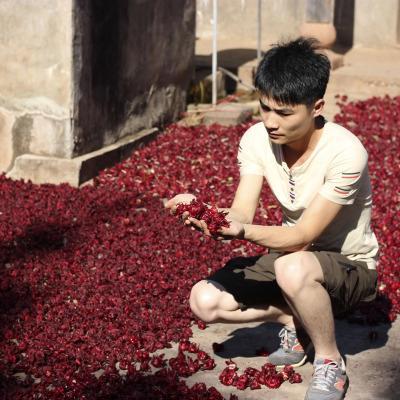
[
  {"x": 294, "y": 347},
  {"x": 329, "y": 381}
]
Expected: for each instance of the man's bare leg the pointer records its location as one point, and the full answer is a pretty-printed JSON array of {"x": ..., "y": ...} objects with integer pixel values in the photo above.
[
  {"x": 300, "y": 275},
  {"x": 211, "y": 303}
]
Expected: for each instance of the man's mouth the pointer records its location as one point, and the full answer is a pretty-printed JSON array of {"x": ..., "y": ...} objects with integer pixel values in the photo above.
[{"x": 274, "y": 135}]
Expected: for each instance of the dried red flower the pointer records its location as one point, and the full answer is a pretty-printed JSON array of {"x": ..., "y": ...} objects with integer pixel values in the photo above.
[
  {"x": 208, "y": 364},
  {"x": 202, "y": 355},
  {"x": 214, "y": 218},
  {"x": 295, "y": 378},
  {"x": 87, "y": 285},
  {"x": 274, "y": 381}
]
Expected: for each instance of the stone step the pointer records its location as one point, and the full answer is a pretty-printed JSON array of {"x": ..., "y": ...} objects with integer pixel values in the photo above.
[
  {"x": 367, "y": 73},
  {"x": 79, "y": 170}
]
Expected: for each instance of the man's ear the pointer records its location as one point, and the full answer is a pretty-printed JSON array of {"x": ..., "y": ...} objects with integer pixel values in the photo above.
[{"x": 318, "y": 107}]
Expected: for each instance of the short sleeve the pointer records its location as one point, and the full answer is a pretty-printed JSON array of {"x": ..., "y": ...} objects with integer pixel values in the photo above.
[
  {"x": 345, "y": 176},
  {"x": 248, "y": 159}
]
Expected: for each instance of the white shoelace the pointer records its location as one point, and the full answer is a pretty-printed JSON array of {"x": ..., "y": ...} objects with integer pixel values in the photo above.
[
  {"x": 283, "y": 334},
  {"x": 324, "y": 375}
]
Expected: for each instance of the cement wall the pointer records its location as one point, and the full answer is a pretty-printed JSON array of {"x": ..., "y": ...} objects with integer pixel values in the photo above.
[
  {"x": 35, "y": 60},
  {"x": 78, "y": 76},
  {"x": 366, "y": 23},
  {"x": 237, "y": 19},
  {"x": 377, "y": 23},
  {"x": 35, "y": 79}
]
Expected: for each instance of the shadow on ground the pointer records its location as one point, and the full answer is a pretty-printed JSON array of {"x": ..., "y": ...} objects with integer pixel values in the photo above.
[{"x": 351, "y": 338}]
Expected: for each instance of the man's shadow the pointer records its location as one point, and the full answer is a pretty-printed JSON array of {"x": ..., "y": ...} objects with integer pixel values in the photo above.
[{"x": 352, "y": 338}]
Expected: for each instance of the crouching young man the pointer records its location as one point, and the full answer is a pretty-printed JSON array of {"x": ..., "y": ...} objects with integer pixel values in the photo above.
[{"x": 322, "y": 259}]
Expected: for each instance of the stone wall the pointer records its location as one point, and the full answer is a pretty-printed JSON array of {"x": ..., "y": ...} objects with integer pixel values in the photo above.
[{"x": 79, "y": 76}]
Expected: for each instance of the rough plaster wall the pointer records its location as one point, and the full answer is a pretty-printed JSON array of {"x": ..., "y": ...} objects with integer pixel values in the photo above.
[
  {"x": 35, "y": 76},
  {"x": 237, "y": 19},
  {"x": 367, "y": 23},
  {"x": 133, "y": 60},
  {"x": 376, "y": 23},
  {"x": 35, "y": 50}
]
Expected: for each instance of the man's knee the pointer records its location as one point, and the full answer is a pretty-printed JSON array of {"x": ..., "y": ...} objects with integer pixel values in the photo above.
[
  {"x": 204, "y": 300},
  {"x": 297, "y": 270}
]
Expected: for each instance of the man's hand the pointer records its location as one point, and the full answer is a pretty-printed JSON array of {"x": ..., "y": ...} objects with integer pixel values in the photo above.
[
  {"x": 173, "y": 203},
  {"x": 185, "y": 198},
  {"x": 235, "y": 230}
]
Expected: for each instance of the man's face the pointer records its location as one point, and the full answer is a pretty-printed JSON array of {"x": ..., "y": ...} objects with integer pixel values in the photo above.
[{"x": 286, "y": 124}]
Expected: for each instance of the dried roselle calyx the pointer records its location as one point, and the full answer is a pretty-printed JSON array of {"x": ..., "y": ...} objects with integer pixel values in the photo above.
[
  {"x": 295, "y": 378},
  {"x": 214, "y": 219},
  {"x": 215, "y": 226},
  {"x": 181, "y": 208},
  {"x": 197, "y": 209}
]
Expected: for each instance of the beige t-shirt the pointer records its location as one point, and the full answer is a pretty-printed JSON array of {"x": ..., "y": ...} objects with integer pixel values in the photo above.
[{"x": 337, "y": 169}]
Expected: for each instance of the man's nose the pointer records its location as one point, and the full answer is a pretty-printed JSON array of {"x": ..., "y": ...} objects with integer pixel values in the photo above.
[{"x": 270, "y": 121}]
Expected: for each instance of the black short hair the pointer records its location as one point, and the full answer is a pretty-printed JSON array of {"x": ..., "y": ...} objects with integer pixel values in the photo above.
[{"x": 293, "y": 73}]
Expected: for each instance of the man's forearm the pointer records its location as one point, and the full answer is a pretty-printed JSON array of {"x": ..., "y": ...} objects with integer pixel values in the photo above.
[
  {"x": 237, "y": 215},
  {"x": 285, "y": 238}
]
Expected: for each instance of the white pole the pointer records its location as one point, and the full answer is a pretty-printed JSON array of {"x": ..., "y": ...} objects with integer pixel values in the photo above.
[
  {"x": 259, "y": 32},
  {"x": 214, "y": 56}
]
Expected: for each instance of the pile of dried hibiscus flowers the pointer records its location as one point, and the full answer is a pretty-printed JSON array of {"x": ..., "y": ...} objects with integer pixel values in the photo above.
[{"x": 95, "y": 281}]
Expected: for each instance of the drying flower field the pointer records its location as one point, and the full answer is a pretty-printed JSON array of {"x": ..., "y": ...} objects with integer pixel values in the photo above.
[{"x": 95, "y": 280}]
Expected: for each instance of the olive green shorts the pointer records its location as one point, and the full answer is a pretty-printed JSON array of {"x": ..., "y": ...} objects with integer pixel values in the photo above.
[{"x": 252, "y": 280}]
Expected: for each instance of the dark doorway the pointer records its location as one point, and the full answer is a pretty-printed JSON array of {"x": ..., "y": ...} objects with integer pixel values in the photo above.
[{"x": 344, "y": 23}]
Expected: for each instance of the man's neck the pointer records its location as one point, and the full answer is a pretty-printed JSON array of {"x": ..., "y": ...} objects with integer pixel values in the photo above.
[{"x": 296, "y": 153}]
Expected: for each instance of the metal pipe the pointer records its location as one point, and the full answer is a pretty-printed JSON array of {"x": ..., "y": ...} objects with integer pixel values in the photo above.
[
  {"x": 236, "y": 78},
  {"x": 214, "y": 55}
]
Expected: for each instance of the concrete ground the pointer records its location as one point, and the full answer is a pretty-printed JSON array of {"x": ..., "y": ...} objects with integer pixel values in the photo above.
[{"x": 373, "y": 367}]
